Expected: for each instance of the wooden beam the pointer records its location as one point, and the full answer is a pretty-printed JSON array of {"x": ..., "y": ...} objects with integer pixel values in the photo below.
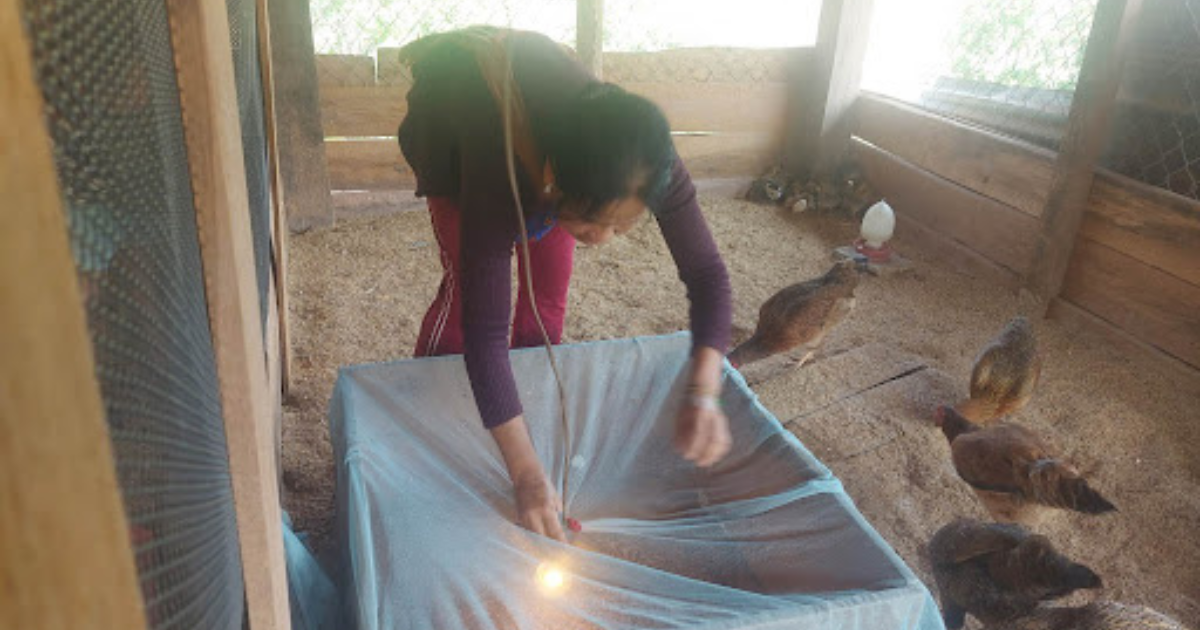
[
  {"x": 368, "y": 165},
  {"x": 376, "y": 112},
  {"x": 65, "y": 554},
  {"x": 589, "y": 35},
  {"x": 360, "y": 112},
  {"x": 274, "y": 375},
  {"x": 1007, "y": 170},
  {"x": 281, "y": 357},
  {"x": 298, "y": 116},
  {"x": 208, "y": 98},
  {"x": 1083, "y": 141},
  {"x": 819, "y": 136},
  {"x": 379, "y": 165}
]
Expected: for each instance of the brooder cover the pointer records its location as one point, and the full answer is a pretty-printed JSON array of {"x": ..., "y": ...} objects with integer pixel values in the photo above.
[{"x": 766, "y": 539}]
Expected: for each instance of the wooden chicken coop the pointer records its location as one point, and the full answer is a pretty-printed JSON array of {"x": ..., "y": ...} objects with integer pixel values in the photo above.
[
  {"x": 209, "y": 129},
  {"x": 1090, "y": 243}
]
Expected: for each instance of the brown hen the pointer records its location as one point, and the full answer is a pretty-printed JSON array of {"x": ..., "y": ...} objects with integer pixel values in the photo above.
[
  {"x": 998, "y": 573},
  {"x": 801, "y": 315},
  {"x": 1005, "y": 374},
  {"x": 1014, "y": 471}
]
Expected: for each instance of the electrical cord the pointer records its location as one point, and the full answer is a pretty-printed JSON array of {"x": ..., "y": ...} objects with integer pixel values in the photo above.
[{"x": 510, "y": 158}]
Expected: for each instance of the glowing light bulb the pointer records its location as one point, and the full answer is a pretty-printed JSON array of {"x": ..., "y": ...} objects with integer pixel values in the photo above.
[{"x": 551, "y": 578}]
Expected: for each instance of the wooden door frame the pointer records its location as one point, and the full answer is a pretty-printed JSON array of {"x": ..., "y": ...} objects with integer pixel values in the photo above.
[{"x": 64, "y": 538}]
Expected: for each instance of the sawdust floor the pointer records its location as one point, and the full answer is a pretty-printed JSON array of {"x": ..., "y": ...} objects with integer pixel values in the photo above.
[{"x": 360, "y": 289}]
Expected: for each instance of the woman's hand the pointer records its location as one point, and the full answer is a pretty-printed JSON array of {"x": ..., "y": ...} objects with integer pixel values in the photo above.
[
  {"x": 538, "y": 505},
  {"x": 702, "y": 433},
  {"x": 701, "y": 429}
]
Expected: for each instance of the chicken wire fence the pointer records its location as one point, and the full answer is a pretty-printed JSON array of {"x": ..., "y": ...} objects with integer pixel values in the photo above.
[
  {"x": 106, "y": 69},
  {"x": 1155, "y": 135},
  {"x": 359, "y": 27},
  {"x": 247, "y": 72},
  {"x": 1008, "y": 65},
  {"x": 638, "y": 26}
]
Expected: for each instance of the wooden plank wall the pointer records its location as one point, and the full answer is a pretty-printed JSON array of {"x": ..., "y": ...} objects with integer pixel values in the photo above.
[
  {"x": 978, "y": 189},
  {"x": 1136, "y": 264},
  {"x": 729, "y": 105}
]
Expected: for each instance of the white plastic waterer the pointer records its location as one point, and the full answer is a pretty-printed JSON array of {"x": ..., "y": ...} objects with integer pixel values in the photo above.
[{"x": 878, "y": 225}]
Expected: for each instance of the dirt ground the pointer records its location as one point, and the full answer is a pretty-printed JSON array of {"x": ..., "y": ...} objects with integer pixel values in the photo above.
[{"x": 359, "y": 291}]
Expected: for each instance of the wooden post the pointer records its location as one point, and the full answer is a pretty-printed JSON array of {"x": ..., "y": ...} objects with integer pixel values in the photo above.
[
  {"x": 1084, "y": 139},
  {"x": 301, "y": 138},
  {"x": 589, "y": 35},
  {"x": 819, "y": 134},
  {"x": 65, "y": 554},
  {"x": 279, "y": 235},
  {"x": 208, "y": 97}
]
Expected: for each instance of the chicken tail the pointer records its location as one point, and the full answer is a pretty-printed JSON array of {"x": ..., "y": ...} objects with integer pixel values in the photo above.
[
  {"x": 1058, "y": 485},
  {"x": 978, "y": 410},
  {"x": 1079, "y": 577}
]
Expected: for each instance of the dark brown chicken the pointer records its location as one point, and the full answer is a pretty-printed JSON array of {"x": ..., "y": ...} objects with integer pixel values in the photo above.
[
  {"x": 999, "y": 572},
  {"x": 801, "y": 315},
  {"x": 1005, "y": 374},
  {"x": 1014, "y": 471},
  {"x": 1093, "y": 616}
]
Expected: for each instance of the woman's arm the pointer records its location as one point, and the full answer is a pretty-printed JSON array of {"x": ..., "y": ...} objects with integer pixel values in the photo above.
[
  {"x": 698, "y": 261},
  {"x": 701, "y": 430},
  {"x": 538, "y": 506},
  {"x": 488, "y": 228}
]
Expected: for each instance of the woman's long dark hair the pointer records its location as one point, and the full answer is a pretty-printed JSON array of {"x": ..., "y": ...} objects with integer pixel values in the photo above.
[{"x": 608, "y": 144}]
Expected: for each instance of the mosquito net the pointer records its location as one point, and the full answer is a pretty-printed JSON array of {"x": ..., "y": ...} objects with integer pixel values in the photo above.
[{"x": 766, "y": 539}]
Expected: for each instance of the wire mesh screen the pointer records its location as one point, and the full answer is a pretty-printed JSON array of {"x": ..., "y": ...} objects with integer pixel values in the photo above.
[
  {"x": 1155, "y": 135},
  {"x": 639, "y": 26},
  {"x": 248, "y": 76},
  {"x": 359, "y": 27},
  {"x": 107, "y": 73},
  {"x": 709, "y": 65},
  {"x": 1008, "y": 65}
]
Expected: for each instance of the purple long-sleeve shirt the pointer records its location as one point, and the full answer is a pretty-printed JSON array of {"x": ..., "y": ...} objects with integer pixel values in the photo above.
[{"x": 453, "y": 137}]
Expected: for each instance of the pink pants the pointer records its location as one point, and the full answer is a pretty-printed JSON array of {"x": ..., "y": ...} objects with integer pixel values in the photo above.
[{"x": 551, "y": 257}]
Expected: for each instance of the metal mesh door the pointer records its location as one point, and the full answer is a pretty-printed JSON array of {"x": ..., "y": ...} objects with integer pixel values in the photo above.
[
  {"x": 248, "y": 76},
  {"x": 107, "y": 73},
  {"x": 1155, "y": 135}
]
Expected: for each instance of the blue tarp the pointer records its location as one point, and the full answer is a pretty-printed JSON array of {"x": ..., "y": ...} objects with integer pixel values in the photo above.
[{"x": 311, "y": 595}]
